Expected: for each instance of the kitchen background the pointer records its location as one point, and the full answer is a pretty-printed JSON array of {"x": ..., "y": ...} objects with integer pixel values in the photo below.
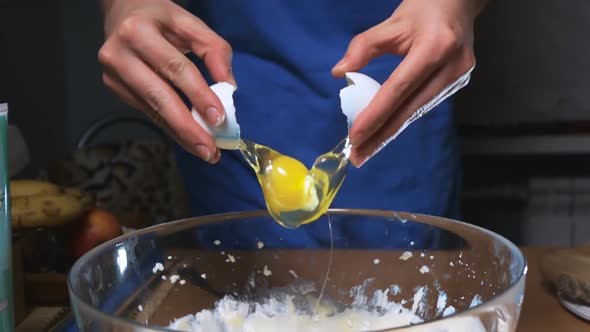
[{"x": 524, "y": 118}]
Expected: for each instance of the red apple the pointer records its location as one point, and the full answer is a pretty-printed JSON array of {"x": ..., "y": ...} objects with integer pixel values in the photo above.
[{"x": 96, "y": 227}]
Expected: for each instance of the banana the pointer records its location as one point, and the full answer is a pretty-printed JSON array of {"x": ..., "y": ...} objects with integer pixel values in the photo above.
[
  {"x": 85, "y": 198},
  {"x": 24, "y": 188},
  {"x": 48, "y": 209}
]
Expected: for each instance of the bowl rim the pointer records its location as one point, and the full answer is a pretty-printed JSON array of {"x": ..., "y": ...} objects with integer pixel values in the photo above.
[{"x": 220, "y": 217}]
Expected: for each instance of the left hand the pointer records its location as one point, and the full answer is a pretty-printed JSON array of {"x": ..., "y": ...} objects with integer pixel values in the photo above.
[{"x": 436, "y": 38}]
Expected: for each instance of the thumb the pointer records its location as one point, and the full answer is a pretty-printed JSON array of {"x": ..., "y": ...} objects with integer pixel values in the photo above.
[
  {"x": 364, "y": 47},
  {"x": 218, "y": 60},
  {"x": 215, "y": 51}
]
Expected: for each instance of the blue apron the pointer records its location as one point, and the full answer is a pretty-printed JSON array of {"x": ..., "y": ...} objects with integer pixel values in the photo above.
[{"x": 287, "y": 99}]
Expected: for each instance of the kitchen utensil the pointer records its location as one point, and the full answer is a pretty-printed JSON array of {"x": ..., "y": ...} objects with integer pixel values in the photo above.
[{"x": 461, "y": 271}]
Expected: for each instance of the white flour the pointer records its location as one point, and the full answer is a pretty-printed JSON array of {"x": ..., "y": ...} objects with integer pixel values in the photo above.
[
  {"x": 275, "y": 315},
  {"x": 289, "y": 311}
]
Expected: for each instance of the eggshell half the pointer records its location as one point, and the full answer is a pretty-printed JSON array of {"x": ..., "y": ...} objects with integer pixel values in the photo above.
[
  {"x": 227, "y": 135},
  {"x": 355, "y": 97}
]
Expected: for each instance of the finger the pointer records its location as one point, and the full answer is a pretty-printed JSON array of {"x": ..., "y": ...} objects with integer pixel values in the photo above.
[
  {"x": 123, "y": 92},
  {"x": 206, "y": 44},
  {"x": 427, "y": 92},
  {"x": 169, "y": 62},
  {"x": 416, "y": 67},
  {"x": 162, "y": 101},
  {"x": 382, "y": 38},
  {"x": 218, "y": 60}
]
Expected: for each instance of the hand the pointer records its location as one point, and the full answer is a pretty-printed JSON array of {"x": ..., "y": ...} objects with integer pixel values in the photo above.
[
  {"x": 436, "y": 38},
  {"x": 144, "y": 59}
]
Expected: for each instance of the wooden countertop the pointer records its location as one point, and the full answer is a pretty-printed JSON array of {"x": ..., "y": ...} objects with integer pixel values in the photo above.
[{"x": 541, "y": 310}]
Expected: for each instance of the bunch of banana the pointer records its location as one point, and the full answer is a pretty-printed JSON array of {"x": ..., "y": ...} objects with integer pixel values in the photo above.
[{"x": 36, "y": 203}]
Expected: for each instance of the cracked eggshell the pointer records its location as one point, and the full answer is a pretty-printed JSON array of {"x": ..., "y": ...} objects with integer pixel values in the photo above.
[
  {"x": 227, "y": 135},
  {"x": 355, "y": 97}
]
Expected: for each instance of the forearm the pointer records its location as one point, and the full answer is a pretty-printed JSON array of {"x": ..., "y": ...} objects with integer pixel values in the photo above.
[{"x": 470, "y": 7}]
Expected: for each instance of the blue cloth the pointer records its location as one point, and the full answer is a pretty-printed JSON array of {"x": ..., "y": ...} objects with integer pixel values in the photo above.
[{"x": 287, "y": 99}]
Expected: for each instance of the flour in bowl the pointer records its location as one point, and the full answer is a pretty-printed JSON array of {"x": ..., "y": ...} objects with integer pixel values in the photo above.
[
  {"x": 231, "y": 315},
  {"x": 294, "y": 309}
]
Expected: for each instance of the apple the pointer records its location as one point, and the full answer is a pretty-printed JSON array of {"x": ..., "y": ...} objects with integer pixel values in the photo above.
[{"x": 96, "y": 227}]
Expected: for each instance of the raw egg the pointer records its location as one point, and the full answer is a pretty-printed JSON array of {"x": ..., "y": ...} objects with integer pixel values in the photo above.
[{"x": 294, "y": 194}]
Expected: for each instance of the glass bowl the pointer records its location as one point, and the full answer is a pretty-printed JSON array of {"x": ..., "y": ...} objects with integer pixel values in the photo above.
[{"x": 386, "y": 268}]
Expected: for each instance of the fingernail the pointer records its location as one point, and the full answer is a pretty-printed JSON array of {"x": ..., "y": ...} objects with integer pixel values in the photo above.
[
  {"x": 204, "y": 152},
  {"x": 363, "y": 162},
  {"x": 358, "y": 134},
  {"x": 355, "y": 140},
  {"x": 339, "y": 65},
  {"x": 217, "y": 156},
  {"x": 213, "y": 116},
  {"x": 356, "y": 163}
]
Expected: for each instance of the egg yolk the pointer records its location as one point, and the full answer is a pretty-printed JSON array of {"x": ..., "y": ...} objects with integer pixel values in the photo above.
[{"x": 288, "y": 186}]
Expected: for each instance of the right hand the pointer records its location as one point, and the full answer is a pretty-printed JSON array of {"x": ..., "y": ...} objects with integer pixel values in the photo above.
[{"x": 144, "y": 60}]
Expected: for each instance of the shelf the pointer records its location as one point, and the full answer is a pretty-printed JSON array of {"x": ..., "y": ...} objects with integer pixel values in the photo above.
[{"x": 527, "y": 145}]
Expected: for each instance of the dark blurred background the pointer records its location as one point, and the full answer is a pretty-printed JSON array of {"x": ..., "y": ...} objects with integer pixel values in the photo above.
[{"x": 524, "y": 119}]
